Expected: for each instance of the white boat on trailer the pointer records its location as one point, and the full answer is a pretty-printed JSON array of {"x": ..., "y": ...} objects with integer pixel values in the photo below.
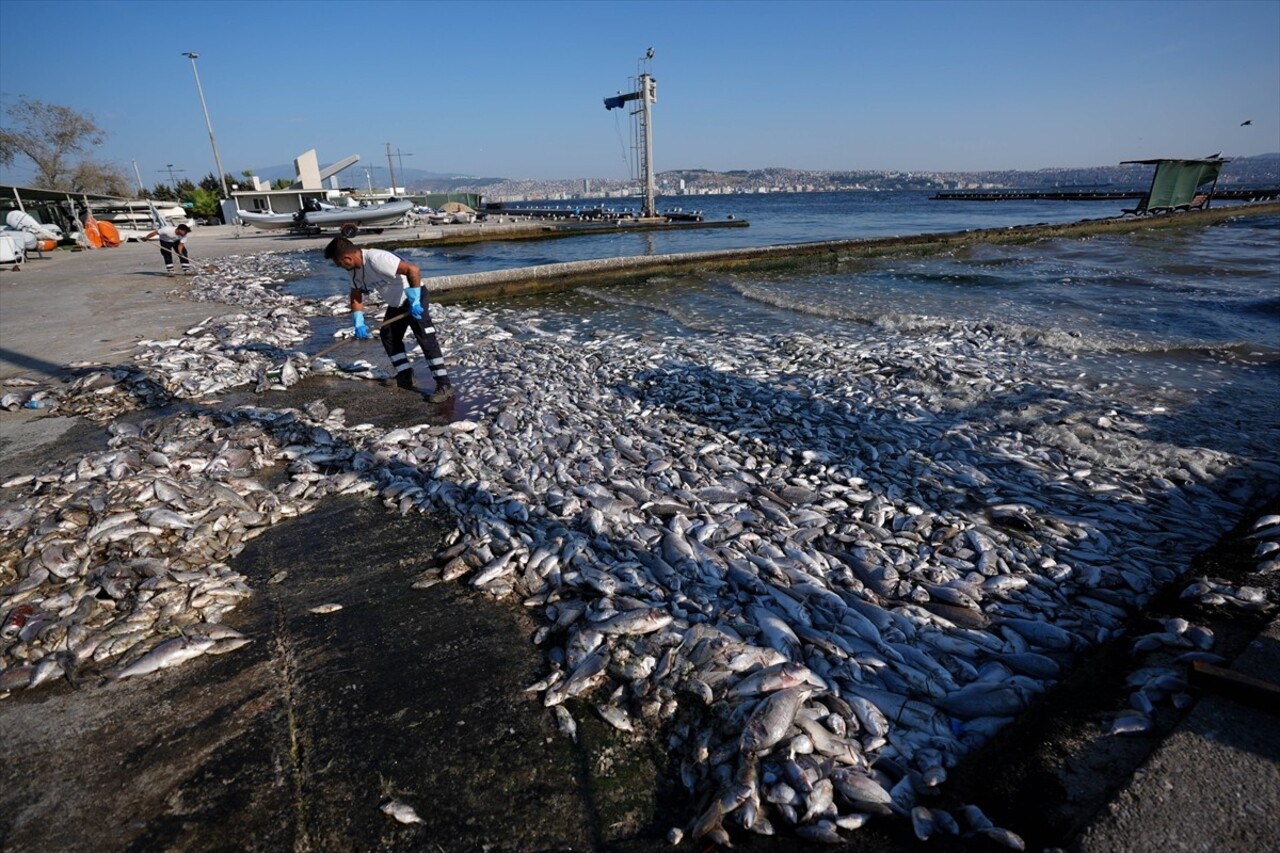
[{"x": 348, "y": 220}]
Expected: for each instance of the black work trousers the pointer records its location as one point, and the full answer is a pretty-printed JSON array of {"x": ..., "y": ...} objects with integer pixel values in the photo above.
[{"x": 424, "y": 331}]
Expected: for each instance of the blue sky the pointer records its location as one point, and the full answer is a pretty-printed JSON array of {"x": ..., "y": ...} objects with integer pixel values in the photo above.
[{"x": 516, "y": 89}]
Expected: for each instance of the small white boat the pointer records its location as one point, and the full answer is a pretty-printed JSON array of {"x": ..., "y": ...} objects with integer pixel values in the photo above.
[
  {"x": 345, "y": 219},
  {"x": 267, "y": 221}
]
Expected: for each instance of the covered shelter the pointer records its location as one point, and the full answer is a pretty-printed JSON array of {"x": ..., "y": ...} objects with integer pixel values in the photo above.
[
  {"x": 1178, "y": 184},
  {"x": 51, "y": 207}
]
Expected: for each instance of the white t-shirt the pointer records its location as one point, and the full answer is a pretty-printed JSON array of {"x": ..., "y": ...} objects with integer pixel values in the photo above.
[
  {"x": 169, "y": 234},
  {"x": 379, "y": 272}
]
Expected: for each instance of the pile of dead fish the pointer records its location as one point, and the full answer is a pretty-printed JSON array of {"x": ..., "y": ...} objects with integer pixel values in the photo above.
[
  {"x": 249, "y": 280},
  {"x": 851, "y": 561},
  {"x": 1266, "y": 532},
  {"x": 256, "y": 348},
  {"x": 1168, "y": 652},
  {"x": 1158, "y": 682},
  {"x": 116, "y": 564},
  {"x": 826, "y": 568}
]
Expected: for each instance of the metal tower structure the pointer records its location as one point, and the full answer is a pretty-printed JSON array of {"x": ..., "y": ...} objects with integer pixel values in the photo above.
[{"x": 647, "y": 94}]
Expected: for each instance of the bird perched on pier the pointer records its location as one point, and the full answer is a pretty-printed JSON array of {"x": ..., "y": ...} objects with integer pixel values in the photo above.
[{"x": 1246, "y": 122}]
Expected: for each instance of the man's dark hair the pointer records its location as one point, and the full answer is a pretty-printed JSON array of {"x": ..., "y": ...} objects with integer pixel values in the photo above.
[
  {"x": 337, "y": 247},
  {"x": 183, "y": 227}
]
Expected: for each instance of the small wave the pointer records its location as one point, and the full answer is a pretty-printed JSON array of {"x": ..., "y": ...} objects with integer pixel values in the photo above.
[
  {"x": 1232, "y": 352},
  {"x": 1069, "y": 341},
  {"x": 684, "y": 318},
  {"x": 798, "y": 304},
  {"x": 1236, "y": 352},
  {"x": 965, "y": 278},
  {"x": 1265, "y": 307}
]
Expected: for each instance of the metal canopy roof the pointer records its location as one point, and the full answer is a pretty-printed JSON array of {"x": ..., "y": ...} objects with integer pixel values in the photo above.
[{"x": 9, "y": 191}]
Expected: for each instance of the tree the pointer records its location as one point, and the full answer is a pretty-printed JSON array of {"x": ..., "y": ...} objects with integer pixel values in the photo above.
[
  {"x": 204, "y": 203},
  {"x": 211, "y": 183},
  {"x": 281, "y": 184},
  {"x": 164, "y": 192},
  {"x": 102, "y": 179},
  {"x": 51, "y": 136}
]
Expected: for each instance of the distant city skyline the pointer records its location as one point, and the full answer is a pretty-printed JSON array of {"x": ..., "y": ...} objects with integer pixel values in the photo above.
[{"x": 516, "y": 90}]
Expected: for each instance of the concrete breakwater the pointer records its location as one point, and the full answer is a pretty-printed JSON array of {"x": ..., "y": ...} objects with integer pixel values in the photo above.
[{"x": 821, "y": 571}]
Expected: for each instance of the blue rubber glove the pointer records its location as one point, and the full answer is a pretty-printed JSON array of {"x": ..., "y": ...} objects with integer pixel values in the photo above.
[
  {"x": 414, "y": 295},
  {"x": 357, "y": 319}
]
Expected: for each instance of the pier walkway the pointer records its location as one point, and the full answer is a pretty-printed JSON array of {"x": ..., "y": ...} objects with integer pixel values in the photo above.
[{"x": 1244, "y": 194}]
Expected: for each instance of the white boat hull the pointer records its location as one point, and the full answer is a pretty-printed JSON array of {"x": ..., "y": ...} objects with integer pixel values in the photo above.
[
  {"x": 267, "y": 221},
  {"x": 330, "y": 217}
]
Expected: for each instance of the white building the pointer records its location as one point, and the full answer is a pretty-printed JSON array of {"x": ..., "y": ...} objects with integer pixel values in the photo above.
[{"x": 308, "y": 184}]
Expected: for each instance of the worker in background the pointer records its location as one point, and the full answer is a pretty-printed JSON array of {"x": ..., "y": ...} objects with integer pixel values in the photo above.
[{"x": 173, "y": 240}]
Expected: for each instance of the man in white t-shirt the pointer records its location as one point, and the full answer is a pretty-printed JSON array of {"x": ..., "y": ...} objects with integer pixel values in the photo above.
[
  {"x": 173, "y": 240},
  {"x": 399, "y": 283}
]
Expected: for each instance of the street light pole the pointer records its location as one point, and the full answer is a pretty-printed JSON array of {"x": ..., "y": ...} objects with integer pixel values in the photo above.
[
  {"x": 142, "y": 189},
  {"x": 173, "y": 182},
  {"x": 222, "y": 178}
]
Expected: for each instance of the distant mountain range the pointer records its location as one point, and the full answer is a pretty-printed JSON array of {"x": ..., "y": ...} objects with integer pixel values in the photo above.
[{"x": 1260, "y": 170}]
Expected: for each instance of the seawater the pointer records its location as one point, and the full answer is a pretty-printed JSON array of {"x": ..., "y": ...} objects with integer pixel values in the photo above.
[{"x": 1187, "y": 318}]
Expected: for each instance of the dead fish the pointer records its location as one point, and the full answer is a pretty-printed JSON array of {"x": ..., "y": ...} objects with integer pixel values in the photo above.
[
  {"x": 401, "y": 812},
  {"x": 614, "y": 716},
  {"x": 860, "y": 789},
  {"x": 635, "y": 622},
  {"x": 331, "y": 607},
  {"x": 288, "y": 374},
  {"x": 771, "y": 719},
  {"x": 167, "y": 654},
  {"x": 565, "y": 722}
]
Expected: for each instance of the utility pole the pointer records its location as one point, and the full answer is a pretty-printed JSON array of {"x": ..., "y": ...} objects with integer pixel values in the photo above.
[
  {"x": 400, "y": 155},
  {"x": 222, "y": 178},
  {"x": 173, "y": 182},
  {"x": 392, "y": 169},
  {"x": 142, "y": 190}
]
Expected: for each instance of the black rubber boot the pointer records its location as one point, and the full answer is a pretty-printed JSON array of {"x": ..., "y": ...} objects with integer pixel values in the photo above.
[
  {"x": 444, "y": 391},
  {"x": 404, "y": 379}
]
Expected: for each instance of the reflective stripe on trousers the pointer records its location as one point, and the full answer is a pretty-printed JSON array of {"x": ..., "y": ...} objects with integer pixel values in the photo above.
[{"x": 424, "y": 331}]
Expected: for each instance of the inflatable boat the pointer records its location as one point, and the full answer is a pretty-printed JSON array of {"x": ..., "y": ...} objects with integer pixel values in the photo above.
[{"x": 328, "y": 216}]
